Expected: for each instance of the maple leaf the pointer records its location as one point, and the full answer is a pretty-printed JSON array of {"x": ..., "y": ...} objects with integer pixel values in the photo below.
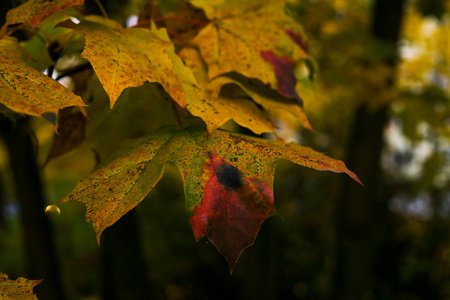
[
  {"x": 21, "y": 288},
  {"x": 35, "y": 11},
  {"x": 25, "y": 90},
  {"x": 222, "y": 169},
  {"x": 128, "y": 57},
  {"x": 241, "y": 36}
]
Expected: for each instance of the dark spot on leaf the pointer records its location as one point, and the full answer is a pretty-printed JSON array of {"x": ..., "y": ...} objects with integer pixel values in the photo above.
[{"x": 229, "y": 176}]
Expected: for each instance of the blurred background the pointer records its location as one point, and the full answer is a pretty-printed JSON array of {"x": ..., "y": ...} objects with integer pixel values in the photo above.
[{"x": 381, "y": 103}]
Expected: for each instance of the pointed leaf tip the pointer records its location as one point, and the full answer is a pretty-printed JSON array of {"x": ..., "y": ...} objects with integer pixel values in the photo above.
[{"x": 233, "y": 208}]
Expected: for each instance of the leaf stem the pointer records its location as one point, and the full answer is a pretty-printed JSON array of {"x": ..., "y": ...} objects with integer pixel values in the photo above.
[
  {"x": 50, "y": 70},
  {"x": 102, "y": 9},
  {"x": 177, "y": 36},
  {"x": 175, "y": 18},
  {"x": 74, "y": 70}
]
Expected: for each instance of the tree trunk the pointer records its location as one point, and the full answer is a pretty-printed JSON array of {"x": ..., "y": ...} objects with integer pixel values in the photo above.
[
  {"x": 40, "y": 253},
  {"x": 124, "y": 269},
  {"x": 362, "y": 217}
]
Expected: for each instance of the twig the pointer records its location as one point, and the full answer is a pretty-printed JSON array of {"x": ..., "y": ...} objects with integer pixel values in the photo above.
[
  {"x": 177, "y": 36},
  {"x": 74, "y": 70},
  {"x": 102, "y": 9}
]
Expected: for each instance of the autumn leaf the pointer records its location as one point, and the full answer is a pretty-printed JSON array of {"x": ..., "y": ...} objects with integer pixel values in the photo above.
[
  {"x": 128, "y": 57},
  {"x": 215, "y": 110},
  {"x": 25, "y": 90},
  {"x": 21, "y": 288},
  {"x": 233, "y": 208},
  {"x": 284, "y": 73},
  {"x": 203, "y": 101},
  {"x": 256, "y": 39},
  {"x": 35, "y": 11},
  {"x": 70, "y": 132},
  {"x": 222, "y": 169},
  {"x": 272, "y": 102}
]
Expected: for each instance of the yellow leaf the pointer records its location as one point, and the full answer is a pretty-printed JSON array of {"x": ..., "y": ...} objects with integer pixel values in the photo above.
[
  {"x": 275, "y": 104},
  {"x": 201, "y": 102},
  {"x": 26, "y": 90},
  {"x": 216, "y": 110},
  {"x": 237, "y": 38},
  {"x": 128, "y": 57}
]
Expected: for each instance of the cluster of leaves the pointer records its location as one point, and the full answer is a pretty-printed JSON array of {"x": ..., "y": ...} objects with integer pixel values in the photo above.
[{"x": 151, "y": 100}]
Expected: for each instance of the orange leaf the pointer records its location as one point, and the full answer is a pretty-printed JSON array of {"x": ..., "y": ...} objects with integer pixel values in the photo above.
[{"x": 36, "y": 11}]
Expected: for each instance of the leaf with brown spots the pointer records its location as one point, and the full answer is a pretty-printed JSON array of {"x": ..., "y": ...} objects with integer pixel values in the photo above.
[
  {"x": 242, "y": 33},
  {"x": 35, "y": 11},
  {"x": 21, "y": 288},
  {"x": 128, "y": 57},
  {"x": 25, "y": 90},
  {"x": 227, "y": 179}
]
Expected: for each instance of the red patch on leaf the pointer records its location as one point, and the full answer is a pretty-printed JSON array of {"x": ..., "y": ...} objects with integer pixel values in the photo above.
[
  {"x": 284, "y": 72},
  {"x": 232, "y": 210},
  {"x": 49, "y": 9},
  {"x": 298, "y": 39}
]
